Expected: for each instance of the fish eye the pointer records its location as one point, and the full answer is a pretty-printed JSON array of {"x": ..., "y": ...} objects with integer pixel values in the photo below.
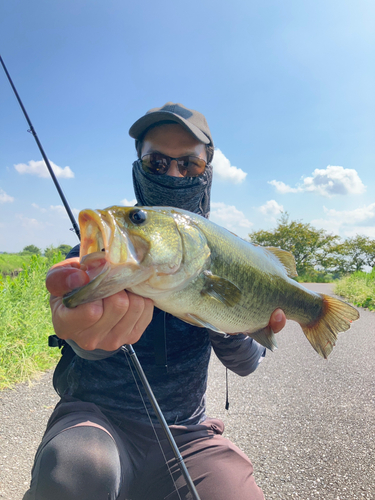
[{"x": 137, "y": 216}]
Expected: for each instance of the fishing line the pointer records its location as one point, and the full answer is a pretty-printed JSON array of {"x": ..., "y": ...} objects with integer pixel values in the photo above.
[
  {"x": 180, "y": 462},
  {"x": 125, "y": 350},
  {"x": 128, "y": 348}
]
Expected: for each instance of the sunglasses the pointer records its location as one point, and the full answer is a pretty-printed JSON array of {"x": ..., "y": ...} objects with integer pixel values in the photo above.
[{"x": 159, "y": 164}]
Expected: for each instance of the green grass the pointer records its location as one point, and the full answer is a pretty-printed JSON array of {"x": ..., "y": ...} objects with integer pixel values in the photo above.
[
  {"x": 315, "y": 277},
  {"x": 10, "y": 262},
  {"x": 25, "y": 323},
  {"x": 358, "y": 288}
]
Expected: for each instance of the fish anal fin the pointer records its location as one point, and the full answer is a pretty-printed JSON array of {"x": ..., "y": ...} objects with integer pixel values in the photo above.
[
  {"x": 220, "y": 289},
  {"x": 286, "y": 259},
  {"x": 265, "y": 337},
  {"x": 336, "y": 317}
]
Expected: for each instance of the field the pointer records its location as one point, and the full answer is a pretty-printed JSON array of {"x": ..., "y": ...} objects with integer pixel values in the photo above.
[
  {"x": 358, "y": 288},
  {"x": 25, "y": 323},
  {"x": 12, "y": 262}
]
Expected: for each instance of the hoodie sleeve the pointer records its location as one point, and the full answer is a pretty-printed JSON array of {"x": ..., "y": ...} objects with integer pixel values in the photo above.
[
  {"x": 95, "y": 355},
  {"x": 239, "y": 353}
]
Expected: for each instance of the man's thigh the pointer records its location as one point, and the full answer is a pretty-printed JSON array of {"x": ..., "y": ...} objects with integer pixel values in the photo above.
[{"x": 219, "y": 469}]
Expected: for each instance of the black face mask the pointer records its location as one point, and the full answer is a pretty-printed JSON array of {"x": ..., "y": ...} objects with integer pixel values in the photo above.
[{"x": 189, "y": 193}]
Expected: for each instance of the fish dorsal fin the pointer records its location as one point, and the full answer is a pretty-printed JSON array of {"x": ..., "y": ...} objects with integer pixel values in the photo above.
[
  {"x": 286, "y": 259},
  {"x": 220, "y": 289}
]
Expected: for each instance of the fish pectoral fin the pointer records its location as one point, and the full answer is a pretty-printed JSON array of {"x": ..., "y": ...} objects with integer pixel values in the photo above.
[
  {"x": 195, "y": 320},
  {"x": 220, "y": 289},
  {"x": 265, "y": 337},
  {"x": 287, "y": 260}
]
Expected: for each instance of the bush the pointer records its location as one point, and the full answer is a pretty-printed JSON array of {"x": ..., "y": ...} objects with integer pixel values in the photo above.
[
  {"x": 12, "y": 263},
  {"x": 25, "y": 323},
  {"x": 358, "y": 288}
]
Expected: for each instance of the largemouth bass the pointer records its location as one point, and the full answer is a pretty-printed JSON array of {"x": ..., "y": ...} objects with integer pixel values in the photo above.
[{"x": 202, "y": 274}]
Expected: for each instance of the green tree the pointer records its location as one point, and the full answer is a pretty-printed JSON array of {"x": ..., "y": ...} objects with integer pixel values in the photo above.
[
  {"x": 311, "y": 247},
  {"x": 355, "y": 253},
  {"x": 51, "y": 250},
  {"x": 64, "y": 249},
  {"x": 32, "y": 249}
]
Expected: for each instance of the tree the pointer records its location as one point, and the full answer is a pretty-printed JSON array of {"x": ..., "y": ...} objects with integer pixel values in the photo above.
[
  {"x": 311, "y": 247},
  {"x": 50, "y": 251},
  {"x": 32, "y": 249},
  {"x": 355, "y": 253},
  {"x": 64, "y": 249}
]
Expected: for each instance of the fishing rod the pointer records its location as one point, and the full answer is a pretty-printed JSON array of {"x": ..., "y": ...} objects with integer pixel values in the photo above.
[
  {"x": 128, "y": 348},
  {"x": 52, "y": 173}
]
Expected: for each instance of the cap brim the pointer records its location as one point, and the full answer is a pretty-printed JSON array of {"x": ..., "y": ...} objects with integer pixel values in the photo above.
[{"x": 141, "y": 125}]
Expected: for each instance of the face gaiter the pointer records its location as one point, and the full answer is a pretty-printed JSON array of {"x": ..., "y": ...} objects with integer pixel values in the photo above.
[{"x": 189, "y": 193}]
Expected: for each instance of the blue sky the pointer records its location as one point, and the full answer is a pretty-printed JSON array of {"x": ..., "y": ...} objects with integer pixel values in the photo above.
[{"x": 287, "y": 89}]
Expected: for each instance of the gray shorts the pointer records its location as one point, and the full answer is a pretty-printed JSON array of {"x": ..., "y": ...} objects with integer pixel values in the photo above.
[{"x": 86, "y": 455}]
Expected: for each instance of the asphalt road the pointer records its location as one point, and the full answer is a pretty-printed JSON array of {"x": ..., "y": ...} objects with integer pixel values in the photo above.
[{"x": 308, "y": 424}]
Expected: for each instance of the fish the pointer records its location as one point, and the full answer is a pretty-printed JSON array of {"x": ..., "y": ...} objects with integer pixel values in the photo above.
[{"x": 201, "y": 273}]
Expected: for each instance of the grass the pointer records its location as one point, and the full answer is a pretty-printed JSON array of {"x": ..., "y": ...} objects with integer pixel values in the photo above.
[
  {"x": 10, "y": 262},
  {"x": 25, "y": 323},
  {"x": 25, "y": 319},
  {"x": 358, "y": 288},
  {"x": 315, "y": 277}
]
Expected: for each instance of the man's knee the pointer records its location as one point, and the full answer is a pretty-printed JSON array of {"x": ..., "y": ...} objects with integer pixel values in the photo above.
[{"x": 80, "y": 463}]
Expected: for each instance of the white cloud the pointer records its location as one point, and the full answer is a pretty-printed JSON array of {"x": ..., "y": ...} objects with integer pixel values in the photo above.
[
  {"x": 75, "y": 212},
  {"x": 128, "y": 203},
  {"x": 54, "y": 210},
  {"x": 37, "y": 207},
  {"x": 225, "y": 171},
  {"x": 39, "y": 169},
  {"x": 5, "y": 198},
  {"x": 230, "y": 217},
  {"x": 349, "y": 222},
  {"x": 327, "y": 182},
  {"x": 30, "y": 223},
  {"x": 283, "y": 188},
  {"x": 271, "y": 208},
  {"x": 61, "y": 211}
]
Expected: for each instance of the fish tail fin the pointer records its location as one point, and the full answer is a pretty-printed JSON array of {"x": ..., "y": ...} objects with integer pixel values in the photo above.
[
  {"x": 336, "y": 317},
  {"x": 265, "y": 337}
]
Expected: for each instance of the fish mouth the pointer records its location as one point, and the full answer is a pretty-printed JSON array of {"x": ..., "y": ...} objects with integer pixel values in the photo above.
[
  {"x": 104, "y": 242},
  {"x": 108, "y": 255}
]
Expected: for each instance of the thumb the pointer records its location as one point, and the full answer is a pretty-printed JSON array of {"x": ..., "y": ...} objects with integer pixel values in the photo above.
[{"x": 66, "y": 276}]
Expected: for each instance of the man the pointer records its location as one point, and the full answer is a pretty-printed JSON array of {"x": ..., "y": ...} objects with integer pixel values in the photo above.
[{"x": 99, "y": 442}]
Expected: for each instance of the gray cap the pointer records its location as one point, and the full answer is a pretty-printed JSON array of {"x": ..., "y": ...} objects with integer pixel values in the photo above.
[{"x": 192, "y": 120}]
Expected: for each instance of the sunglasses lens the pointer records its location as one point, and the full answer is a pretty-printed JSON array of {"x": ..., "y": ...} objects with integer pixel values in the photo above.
[
  {"x": 192, "y": 166},
  {"x": 158, "y": 164},
  {"x": 155, "y": 163}
]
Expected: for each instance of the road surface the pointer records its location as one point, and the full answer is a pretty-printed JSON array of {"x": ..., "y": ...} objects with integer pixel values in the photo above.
[{"x": 308, "y": 424}]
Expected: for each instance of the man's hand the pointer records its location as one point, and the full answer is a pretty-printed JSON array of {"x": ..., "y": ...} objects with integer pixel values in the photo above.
[
  {"x": 277, "y": 320},
  {"x": 103, "y": 324}
]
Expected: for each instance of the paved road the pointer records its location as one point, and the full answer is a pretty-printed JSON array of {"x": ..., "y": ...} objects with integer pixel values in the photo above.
[{"x": 307, "y": 423}]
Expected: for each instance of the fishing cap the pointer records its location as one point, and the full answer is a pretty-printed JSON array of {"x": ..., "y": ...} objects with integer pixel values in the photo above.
[{"x": 190, "y": 119}]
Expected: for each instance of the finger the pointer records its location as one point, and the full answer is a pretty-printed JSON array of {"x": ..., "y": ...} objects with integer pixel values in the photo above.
[
  {"x": 68, "y": 323},
  {"x": 113, "y": 308},
  {"x": 125, "y": 331},
  {"x": 130, "y": 329},
  {"x": 277, "y": 320},
  {"x": 65, "y": 276}
]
